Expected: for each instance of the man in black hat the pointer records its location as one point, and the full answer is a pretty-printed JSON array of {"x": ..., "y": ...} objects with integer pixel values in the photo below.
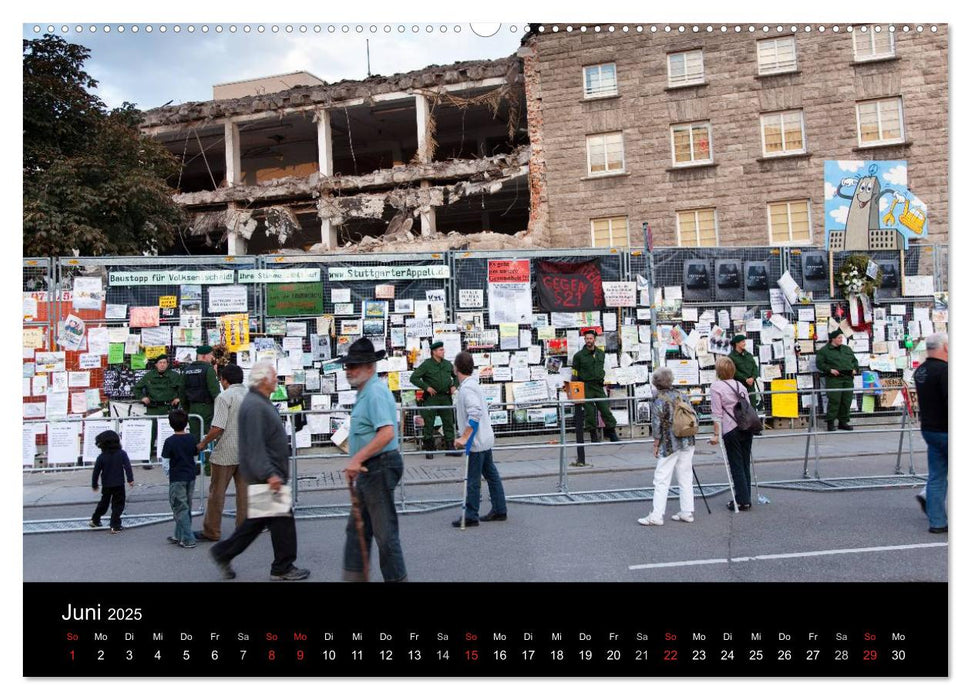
[
  {"x": 838, "y": 364},
  {"x": 375, "y": 467},
  {"x": 588, "y": 367},
  {"x": 201, "y": 389},
  {"x": 746, "y": 368},
  {"x": 161, "y": 391},
  {"x": 434, "y": 377}
]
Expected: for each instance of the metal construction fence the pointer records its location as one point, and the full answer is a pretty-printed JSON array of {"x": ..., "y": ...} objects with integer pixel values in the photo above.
[{"x": 289, "y": 302}]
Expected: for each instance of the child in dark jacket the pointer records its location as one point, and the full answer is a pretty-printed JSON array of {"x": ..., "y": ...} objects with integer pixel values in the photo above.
[
  {"x": 114, "y": 468},
  {"x": 179, "y": 463}
]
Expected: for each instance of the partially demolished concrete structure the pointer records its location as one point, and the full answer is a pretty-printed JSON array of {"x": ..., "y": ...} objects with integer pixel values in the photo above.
[{"x": 388, "y": 163}]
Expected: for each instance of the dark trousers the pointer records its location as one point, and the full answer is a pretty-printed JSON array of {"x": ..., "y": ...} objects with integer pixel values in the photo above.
[
  {"x": 283, "y": 533},
  {"x": 441, "y": 406},
  {"x": 839, "y": 402},
  {"x": 738, "y": 447},
  {"x": 596, "y": 391},
  {"x": 375, "y": 492},
  {"x": 116, "y": 495}
]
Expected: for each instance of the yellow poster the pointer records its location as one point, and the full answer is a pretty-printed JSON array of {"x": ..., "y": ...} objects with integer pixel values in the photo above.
[
  {"x": 167, "y": 302},
  {"x": 785, "y": 405},
  {"x": 394, "y": 381},
  {"x": 236, "y": 332},
  {"x": 508, "y": 330},
  {"x": 153, "y": 351}
]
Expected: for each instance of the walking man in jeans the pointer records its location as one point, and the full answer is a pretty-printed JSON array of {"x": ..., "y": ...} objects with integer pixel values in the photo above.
[
  {"x": 473, "y": 415},
  {"x": 375, "y": 467},
  {"x": 264, "y": 458},
  {"x": 931, "y": 382}
]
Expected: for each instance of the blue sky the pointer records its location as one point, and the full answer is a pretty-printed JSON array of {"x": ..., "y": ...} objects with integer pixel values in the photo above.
[{"x": 151, "y": 69}]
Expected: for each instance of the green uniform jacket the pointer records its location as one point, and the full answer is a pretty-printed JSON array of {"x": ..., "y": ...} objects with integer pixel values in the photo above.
[
  {"x": 745, "y": 368},
  {"x": 161, "y": 387},
  {"x": 589, "y": 366},
  {"x": 839, "y": 358},
  {"x": 437, "y": 375}
]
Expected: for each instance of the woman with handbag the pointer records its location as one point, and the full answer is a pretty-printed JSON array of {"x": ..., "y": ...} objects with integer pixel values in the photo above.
[{"x": 725, "y": 394}]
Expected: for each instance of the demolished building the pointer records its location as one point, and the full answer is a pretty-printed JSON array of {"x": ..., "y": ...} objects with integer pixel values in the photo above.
[{"x": 387, "y": 163}]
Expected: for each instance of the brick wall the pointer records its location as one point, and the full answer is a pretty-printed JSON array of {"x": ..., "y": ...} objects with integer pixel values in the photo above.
[{"x": 740, "y": 184}]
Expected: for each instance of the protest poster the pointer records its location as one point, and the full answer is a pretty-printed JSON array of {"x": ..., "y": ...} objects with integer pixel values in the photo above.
[
  {"x": 228, "y": 299},
  {"x": 295, "y": 299},
  {"x": 143, "y": 317},
  {"x": 72, "y": 333},
  {"x": 621, "y": 294},
  {"x": 575, "y": 286},
  {"x": 87, "y": 293}
]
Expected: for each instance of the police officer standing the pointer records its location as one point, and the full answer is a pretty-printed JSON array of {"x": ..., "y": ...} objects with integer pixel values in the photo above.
[
  {"x": 746, "y": 368},
  {"x": 161, "y": 391},
  {"x": 201, "y": 389},
  {"x": 434, "y": 377},
  {"x": 588, "y": 367},
  {"x": 837, "y": 363}
]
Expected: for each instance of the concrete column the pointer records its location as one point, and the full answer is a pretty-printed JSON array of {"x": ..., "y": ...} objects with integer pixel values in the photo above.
[
  {"x": 423, "y": 111},
  {"x": 233, "y": 167},
  {"x": 325, "y": 160},
  {"x": 236, "y": 245},
  {"x": 325, "y": 144},
  {"x": 428, "y": 224}
]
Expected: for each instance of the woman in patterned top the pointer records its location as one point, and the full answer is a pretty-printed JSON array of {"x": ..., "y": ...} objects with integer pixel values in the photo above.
[{"x": 673, "y": 453}]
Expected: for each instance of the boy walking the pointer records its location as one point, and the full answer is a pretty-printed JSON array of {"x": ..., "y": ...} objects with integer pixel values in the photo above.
[
  {"x": 114, "y": 468},
  {"x": 179, "y": 463}
]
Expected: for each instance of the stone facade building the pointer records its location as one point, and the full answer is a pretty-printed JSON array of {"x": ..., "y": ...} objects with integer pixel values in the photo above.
[{"x": 719, "y": 138}]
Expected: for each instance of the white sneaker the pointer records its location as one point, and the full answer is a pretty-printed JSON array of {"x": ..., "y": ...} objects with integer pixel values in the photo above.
[
  {"x": 683, "y": 517},
  {"x": 649, "y": 520}
]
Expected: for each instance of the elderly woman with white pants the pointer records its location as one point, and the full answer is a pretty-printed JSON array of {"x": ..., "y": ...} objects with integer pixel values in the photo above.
[{"x": 673, "y": 454}]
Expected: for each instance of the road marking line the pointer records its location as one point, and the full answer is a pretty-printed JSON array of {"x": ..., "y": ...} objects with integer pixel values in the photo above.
[{"x": 789, "y": 555}]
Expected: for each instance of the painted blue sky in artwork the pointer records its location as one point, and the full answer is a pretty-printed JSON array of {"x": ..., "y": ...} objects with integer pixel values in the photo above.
[{"x": 892, "y": 176}]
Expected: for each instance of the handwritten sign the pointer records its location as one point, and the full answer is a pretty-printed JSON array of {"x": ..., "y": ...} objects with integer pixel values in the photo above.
[
  {"x": 508, "y": 271},
  {"x": 470, "y": 298},
  {"x": 569, "y": 286},
  {"x": 621, "y": 293}
]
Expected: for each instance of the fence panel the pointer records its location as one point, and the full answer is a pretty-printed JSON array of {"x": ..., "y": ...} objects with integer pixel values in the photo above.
[{"x": 39, "y": 325}]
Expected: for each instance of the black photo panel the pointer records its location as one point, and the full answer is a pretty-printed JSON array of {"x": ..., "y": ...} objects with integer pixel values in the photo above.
[
  {"x": 757, "y": 281},
  {"x": 697, "y": 280},
  {"x": 729, "y": 279},
  {"x": 890, "y": 281},
  {"x": 815, "y": 271}
]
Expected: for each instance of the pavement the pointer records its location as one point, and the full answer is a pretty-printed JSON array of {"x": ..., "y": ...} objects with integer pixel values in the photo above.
[{"x": 875, "y": 533}]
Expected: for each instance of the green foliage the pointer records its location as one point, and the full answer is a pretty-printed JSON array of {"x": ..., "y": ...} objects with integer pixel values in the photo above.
[{"x": 92, "y": 182}]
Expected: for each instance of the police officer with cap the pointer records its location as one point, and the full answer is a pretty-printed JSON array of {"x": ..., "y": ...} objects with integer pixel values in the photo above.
[
  {"x": 838, "y": 364},
  {"x": 201, "y": 389},
  {"x": 434, "y": 377},
  {"x": 161, "y": 391}
]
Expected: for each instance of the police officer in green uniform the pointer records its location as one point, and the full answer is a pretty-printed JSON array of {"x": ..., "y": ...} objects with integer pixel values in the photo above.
[
  {"x": 838, "y": 364},
  {"x": 201, "y": 389},
  {"x": 746, "y": 368},
  {"x": 161, "y": 391},
  {"x": 588, "y": 367},
  {"x": 435, "y": 378}
]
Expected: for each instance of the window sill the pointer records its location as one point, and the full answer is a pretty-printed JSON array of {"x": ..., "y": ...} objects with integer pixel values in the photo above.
[
  {"x": 599, "y": 98},
  {"x": 676, "y": 88},
  {"x": 789, "y": 244},
  {"x": 605, "y": 176},
  {"x": 763, "y": 76},
  {"x": 878, "y": 59},
  {"x": 784, "y": 156},
  {"x": 897, "y": 144},
  {"x": 692, "y": 166}
]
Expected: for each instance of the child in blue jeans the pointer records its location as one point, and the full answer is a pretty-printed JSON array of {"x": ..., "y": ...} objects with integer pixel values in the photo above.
[{"x": 179, "y": 463}]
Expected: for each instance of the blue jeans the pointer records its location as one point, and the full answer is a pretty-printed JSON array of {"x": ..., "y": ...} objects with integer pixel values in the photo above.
[
  {"x": 481, "y": 465},
  {"x": 936, "y": 477},
  {"x": 180, "y": 498},
  {"x": 375, "y": 492}
]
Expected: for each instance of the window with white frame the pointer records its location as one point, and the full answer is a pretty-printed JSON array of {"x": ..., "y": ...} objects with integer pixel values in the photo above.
[
  {"x": 880, "y": 121},
  {"x": 686, "y": 68},
  {"x": 609, "y": 232},
  {"x": 777, "y": 55},
  {"x": 870, "y": 45},
  {"x": 789, "y": 222},
  {"x": 605, "y": 153},
  {"x": 691, "y": 143},
  {"x": 697, "y": 228},
  {"x": 783, "y": 133},
  {"x": 600, "y": 80}
]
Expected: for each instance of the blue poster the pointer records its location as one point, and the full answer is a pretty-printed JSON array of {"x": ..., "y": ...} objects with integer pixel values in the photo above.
[{"x": 869, "y": 207}]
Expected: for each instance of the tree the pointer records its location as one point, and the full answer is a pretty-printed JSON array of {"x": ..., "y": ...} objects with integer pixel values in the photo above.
[{"x": 92, "y": 182}]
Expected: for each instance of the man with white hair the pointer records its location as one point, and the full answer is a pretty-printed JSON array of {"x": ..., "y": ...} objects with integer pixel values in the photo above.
[
  {"x": 931, "y": 382},
  {"x": 264, "y": 458}
]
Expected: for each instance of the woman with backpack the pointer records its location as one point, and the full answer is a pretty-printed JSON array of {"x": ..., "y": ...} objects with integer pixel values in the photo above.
[
  {"x": 673, "y": 449},
  {"x": 726, "y": 393}
]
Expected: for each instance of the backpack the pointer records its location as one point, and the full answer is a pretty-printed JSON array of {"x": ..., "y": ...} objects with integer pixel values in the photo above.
[
  {"x": 685, "y": 418},
  {"x": 746, "y": 416}
]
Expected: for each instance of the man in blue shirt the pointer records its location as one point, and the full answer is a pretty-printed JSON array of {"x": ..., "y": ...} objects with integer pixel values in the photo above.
[{"x": 375, "y": 467}]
